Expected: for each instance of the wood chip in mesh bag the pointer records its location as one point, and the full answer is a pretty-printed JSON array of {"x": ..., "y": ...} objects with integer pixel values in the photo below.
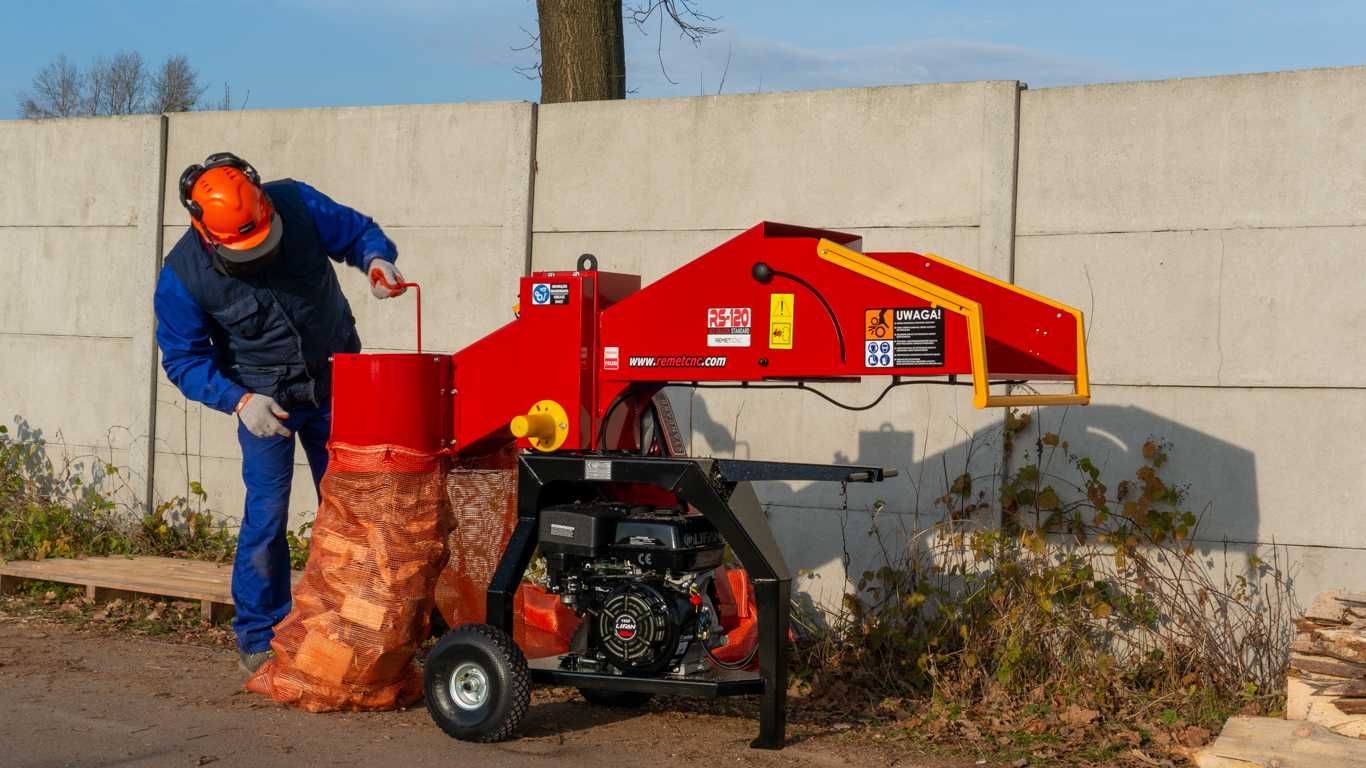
[{"x": 364, "y": 602}]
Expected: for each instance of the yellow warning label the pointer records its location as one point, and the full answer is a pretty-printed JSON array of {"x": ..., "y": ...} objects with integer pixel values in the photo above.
[{"x": 780, "y": 307}]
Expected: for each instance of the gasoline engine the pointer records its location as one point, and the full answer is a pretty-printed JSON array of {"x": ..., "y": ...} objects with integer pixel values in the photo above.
[{"x": 642, "y": 579}]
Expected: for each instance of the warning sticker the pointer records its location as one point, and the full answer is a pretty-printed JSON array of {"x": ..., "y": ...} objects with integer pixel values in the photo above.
[
  {"x": 611, "y": 358},
  {"x": 780, "y": 306},
  {"x": 728, "y": 326},
  {"x": 549, "y": 293},
  {"x": 903, "y": 337}
]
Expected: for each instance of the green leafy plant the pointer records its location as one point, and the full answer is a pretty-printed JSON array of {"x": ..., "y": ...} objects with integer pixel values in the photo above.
[
  {"x": 1088, "y": 609},
  {"x": 299, "y": 541},
  {"x": 73, "y": 509}
]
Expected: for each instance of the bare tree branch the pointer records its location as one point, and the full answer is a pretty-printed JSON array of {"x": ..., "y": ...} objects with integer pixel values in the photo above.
[
  {"x": 118, "y": 85},
  {"x": 175, "y": 86},
  {"x": 692, "y": 23},
  {"x": 224, "y": 104},
  {"x": 529, "y": 71},
  {"x": 56, "y": 91},
  {"x": 726, "y": 69}
]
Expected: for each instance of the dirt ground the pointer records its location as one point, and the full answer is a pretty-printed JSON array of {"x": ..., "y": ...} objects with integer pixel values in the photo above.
[{"x": 78, "y": 697}]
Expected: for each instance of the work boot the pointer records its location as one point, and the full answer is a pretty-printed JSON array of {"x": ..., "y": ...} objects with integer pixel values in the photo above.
[{"x": 250, "y": 662}]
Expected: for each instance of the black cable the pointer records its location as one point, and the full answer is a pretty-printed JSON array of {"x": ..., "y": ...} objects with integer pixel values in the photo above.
[
  {"x": 839, "y": 332},
  {"x": 602, "y": 425},
  {"x": 805, "y": 388}
]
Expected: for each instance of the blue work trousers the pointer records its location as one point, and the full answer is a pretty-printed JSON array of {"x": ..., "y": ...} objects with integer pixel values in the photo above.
[{"x": 260, "y": 572}]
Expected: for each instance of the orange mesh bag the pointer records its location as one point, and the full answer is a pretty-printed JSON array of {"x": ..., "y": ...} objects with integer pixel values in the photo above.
[
  {"x": 484, "y": 504},
  {"x": 364, "y": 603}
]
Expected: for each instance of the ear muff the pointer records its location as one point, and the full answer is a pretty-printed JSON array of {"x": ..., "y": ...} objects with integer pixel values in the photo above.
[{"x": 216, "y": 160}]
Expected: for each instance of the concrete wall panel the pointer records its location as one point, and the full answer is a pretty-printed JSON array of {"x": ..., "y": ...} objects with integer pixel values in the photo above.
[
  {"x": 83, "y": 280},
  {"x": 1273, "y": 150},
  {"x": 1243, "y": 307},
  {"x": 72, "y": 387},
  {"x": 75, "y": 173},
  {"x": 893, "y": 157},
  {"x": 78, "y": 221}
]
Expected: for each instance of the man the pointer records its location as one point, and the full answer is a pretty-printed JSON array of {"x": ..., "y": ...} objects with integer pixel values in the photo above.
[{"x": 248, "y": 311}]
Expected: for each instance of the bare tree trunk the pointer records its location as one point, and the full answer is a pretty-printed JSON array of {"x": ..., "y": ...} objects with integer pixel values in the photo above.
[{"x": 583, "y": 57}]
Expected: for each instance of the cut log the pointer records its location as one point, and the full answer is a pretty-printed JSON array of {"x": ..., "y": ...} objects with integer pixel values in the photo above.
[
  {"x": 1264, "y": 742},
  {"x": 1324, "y": 665},
  {"x": 1334, "y": 605},
  {"x": 1351, "y": 706},
  {"x": 1346, "y": 644},
  {"x": 1307, "y": 701},
  {"x": 1347, "y": 688},
  {"x": 1305, "y": 626}
]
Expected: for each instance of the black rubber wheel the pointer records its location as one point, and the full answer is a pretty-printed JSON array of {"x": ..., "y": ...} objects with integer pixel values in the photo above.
[
  {"x": 600, "y": 697},
  {"x": 477, "y": 684}
]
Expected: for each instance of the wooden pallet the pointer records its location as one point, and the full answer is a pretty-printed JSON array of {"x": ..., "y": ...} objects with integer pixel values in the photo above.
[{"x": 106, "y": 578}]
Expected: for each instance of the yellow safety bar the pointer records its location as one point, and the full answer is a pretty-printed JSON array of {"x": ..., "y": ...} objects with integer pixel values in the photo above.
[{"x": 938, "y": 296}]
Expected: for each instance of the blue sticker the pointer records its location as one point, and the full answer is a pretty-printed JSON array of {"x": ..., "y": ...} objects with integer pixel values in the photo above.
[{"x": 540, "y": 293}]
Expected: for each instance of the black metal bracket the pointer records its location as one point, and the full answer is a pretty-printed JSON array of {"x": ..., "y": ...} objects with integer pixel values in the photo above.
[
  {"x": 729, "y": 504},
  {"x": 737, "y": 470}
]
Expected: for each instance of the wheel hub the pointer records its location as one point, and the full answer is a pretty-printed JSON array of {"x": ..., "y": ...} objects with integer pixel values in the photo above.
[{"x": 469, "y": 686}]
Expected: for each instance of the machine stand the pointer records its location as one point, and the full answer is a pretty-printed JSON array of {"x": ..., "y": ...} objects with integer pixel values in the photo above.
[{"x": 731, "y": 506}]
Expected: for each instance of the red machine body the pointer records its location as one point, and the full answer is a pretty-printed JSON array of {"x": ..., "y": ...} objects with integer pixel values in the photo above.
[{"x": 775, "y": 303}]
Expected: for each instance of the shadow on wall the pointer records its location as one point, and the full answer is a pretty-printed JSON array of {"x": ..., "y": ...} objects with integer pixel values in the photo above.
[{"x": 827, "y": 533}]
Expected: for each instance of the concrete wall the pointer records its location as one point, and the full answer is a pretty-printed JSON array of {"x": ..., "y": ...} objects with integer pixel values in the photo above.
[
  {"x": 79, "y": 213},
  {"x": 1213, "y": 229},
  {"x": 1208, "y": 227}
]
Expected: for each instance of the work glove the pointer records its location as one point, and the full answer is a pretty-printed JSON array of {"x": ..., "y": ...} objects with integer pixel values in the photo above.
[
  {"x": 385, "y": 279},
  {"x": 262, "y": 415}
]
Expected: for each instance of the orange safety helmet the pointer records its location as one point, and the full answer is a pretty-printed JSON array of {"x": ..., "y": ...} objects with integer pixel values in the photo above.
[{"x": 230, "y": 210}]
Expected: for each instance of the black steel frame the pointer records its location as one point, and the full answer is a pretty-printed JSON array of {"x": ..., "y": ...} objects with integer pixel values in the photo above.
[{"x": 721, "y": 491}]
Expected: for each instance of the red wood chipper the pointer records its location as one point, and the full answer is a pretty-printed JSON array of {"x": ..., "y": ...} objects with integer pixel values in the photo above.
[{"x": 630, "y": 527}]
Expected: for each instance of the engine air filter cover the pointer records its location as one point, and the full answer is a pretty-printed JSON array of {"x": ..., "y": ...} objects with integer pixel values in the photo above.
[{"x": 640, "y": 627}]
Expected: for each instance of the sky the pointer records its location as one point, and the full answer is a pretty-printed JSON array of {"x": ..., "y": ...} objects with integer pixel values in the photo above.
[{"x": 308, "y": 53}]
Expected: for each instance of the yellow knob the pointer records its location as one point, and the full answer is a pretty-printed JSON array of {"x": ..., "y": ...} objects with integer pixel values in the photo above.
[
  {"x": 545, "y": 426},
  {"x": 538, "y": 425}
]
